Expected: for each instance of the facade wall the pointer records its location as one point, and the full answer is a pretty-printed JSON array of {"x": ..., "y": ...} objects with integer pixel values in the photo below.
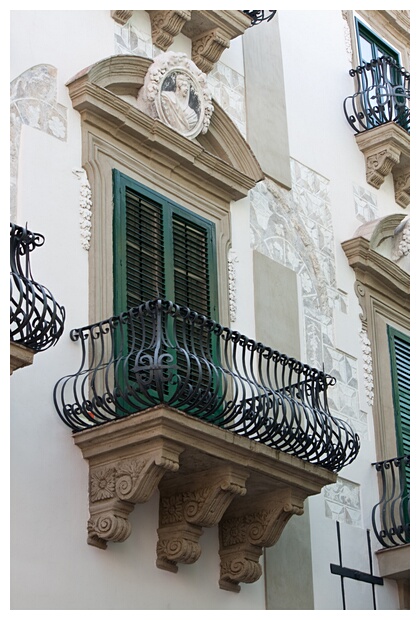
[{"x": 285, "y": 246}]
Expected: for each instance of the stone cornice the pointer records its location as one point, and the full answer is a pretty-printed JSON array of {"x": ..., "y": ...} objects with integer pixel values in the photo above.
[
  {"x": 206, "y": 477},
  {"x": 395, "y": 22},
  {"x": 376, "y": 271}
]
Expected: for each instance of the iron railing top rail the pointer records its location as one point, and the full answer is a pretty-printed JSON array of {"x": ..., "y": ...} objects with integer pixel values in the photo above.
[
  {"x": 162, "y": 353},
  {"x": 391, "y": 515},
  {"x": 36, "y": 319},
  {"x": 382, "y": 95}
]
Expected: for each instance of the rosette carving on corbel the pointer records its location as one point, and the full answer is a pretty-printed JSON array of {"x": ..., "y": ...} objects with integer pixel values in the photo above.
[
  {"x": 246, "y": 529},
  {"x": 188, "y": 505},
  {"x": 116, "y": 487}
]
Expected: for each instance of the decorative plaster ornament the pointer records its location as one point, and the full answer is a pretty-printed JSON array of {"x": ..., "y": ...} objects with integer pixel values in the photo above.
[{"x": 175, "y": 91}]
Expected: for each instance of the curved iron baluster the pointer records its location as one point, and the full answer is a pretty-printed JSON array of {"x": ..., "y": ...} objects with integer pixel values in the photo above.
[
  {"x": 36, "y": 320},
  {"x": 390, "y": 519},
  {"x": 382, "y": 95},
  {"x": 161, "y": 353}
]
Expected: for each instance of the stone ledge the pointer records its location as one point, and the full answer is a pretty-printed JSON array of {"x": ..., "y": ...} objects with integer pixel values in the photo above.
[
  {"x": 206, "y": 476},
  {"x": 394, "y": 563},
  {"x": 387, "y": 149},
  {"x": 20, "y": 356}
]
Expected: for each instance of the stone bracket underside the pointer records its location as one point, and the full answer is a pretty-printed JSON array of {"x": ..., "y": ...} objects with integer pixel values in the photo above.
[
  {"x": 209, "y": 31},
  {"x": 205, "y": 476},
  {"x": 20, "y": 356},
  {"x": 387, "y": 149}
]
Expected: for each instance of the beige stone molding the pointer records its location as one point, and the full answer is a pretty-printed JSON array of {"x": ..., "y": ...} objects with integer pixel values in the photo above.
[
  {"x": 20, "y": 356},
  {"x": 166, "y": 25},
  {"x": 206, "y": 477},
  {"x": 121, "y": 17},
  {"x": 387, "y": 149},
  {"x": 209, "y": 31},
  {"x": 250, "y": 526}
]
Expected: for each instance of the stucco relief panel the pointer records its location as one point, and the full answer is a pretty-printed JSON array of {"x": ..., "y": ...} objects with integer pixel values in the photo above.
[
  {"x": 342, "y": 502},
  {"x": 33, "y": 102},
  {"x": 130, "y": 40},
  {"x": 228, "y": 89},
  {"x": 295, "y": 229}
]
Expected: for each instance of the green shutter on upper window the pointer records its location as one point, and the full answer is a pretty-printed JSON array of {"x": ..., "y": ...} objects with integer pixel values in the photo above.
[
  {"x": 191, "y": 265},
  {"x": 145, "y": 249},
  {"x": 400, "y": 368}
]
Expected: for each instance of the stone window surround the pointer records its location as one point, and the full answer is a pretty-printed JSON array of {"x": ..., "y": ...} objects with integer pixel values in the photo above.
[
  {"x": 210, "y": 31},
  {"x": 383, "y": 291},
  {"x": 205, "y": 476}
]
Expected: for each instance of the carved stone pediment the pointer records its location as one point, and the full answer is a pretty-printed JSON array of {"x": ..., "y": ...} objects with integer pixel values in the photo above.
[
  {"x": 387, "y": 149},
  {"x": 206, "y": 477}
]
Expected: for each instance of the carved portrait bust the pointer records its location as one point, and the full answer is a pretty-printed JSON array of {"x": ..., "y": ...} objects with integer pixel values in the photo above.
[{"x": 175, "y": 91}]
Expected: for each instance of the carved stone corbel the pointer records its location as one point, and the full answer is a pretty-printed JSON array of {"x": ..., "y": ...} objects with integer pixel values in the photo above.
[
  {"x": 121, "y": 17},
  {"x": 189, "y": 504},
  {"x": 380, "y": 164},
  {"x": 402, "y": 187},
  {"x": 166, "y": 25},
  {"x": 207, "y": 49},
  {"x": 247, "y": 528},
  {"x": 387, "y": 149},
  {"x": 116, "y": 486}
]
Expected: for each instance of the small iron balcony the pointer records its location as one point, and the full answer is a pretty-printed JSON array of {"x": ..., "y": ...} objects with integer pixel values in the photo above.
[
  {"x": 382, "y": 96},
  {"x": 161, "y": 353},
  {"x": 391, "y": 515},
  {"x": 36, "y": 320},
  {"x": 259, "y": 16}
]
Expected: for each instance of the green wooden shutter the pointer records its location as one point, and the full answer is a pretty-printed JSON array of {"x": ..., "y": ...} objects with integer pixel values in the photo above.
[{"x": 399, "y": 345}]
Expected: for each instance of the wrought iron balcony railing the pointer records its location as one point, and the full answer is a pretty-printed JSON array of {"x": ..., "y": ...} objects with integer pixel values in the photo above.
[
  {"x": 260, "y": 16},
  {"x": 36, "y": 320},
  {"x": 161, "y": 353},
  {"x": 383, "y": 94},
  {"x": 391, "y": 515}
]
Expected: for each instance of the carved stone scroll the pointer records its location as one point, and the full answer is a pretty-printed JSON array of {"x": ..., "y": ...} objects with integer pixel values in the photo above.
[
  {"x": 166, "y": 25},
  {"x": 247, "y": 528},
  {"x": 193, "y": 502},
  {"x": 207, "y": 49}
]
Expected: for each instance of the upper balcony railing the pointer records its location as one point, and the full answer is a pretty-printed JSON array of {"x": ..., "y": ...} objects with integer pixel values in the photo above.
[
  {"x": 260, "y": 16},
  {"x": 391, "y": 515},
  {"x": 161, "y": 353},
  {"x": 382, "y": 95},
  {"x": 36, "y": 320}
]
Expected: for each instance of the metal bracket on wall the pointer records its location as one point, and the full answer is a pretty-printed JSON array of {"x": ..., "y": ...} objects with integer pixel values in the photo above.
[{"x": 351, "y": 573}]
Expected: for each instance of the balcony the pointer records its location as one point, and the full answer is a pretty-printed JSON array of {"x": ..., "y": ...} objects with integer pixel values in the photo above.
[
  {"x": 232, "y": 432},
  {"x": 391, "y": 523},
  {"x": 36, "y": 320},
  {"x": 379, "y": 114}
]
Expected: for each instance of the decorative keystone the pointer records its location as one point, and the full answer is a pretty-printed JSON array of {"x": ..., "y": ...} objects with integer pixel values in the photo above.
[
  {"x": 247, "y": 528},
  {"x": 387, "y": 149},
  {"x": 189, "y": 504}
]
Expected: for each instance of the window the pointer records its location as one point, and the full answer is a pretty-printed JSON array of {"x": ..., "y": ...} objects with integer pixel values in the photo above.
[
  {"x": 399, "y": 347},
  {"x": 161, "y": 250},
  {"x": 370, "y": 46}
]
